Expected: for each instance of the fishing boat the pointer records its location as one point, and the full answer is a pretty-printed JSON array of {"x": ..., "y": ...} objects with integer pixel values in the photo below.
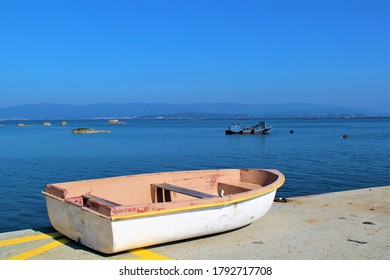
[
  {"x": 258, "y": 128},
  {"x": 115, "y": 214}
]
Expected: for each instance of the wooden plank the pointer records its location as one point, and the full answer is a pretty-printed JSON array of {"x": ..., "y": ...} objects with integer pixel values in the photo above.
[
  {"x": 182, "y": 190},
  {"x": 99, "y": 199}
]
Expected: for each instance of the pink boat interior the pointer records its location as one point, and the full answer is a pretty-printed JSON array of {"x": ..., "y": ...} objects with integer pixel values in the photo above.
[{"x": 126, "y": 195}]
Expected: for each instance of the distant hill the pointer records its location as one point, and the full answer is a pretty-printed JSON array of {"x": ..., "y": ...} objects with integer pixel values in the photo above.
[{"x": 208, "y": 110}]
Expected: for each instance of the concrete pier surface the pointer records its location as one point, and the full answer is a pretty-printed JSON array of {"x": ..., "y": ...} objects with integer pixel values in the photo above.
[{"x": 348, "y": 225}]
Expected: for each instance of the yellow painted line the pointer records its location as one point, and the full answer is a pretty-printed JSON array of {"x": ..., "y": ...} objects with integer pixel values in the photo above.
[
  {"x": 29, "y": 238},
  {"x": 146, "y": 255},
  {"x": 142, "y": 254},
  {"x": 40, "y": 250}
]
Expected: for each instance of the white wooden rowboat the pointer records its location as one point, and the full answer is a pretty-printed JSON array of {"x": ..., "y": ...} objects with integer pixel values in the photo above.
[{"x": 121, "y": 213}]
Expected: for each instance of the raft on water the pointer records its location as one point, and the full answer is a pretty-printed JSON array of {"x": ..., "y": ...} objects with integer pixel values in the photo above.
[{"x": 83, "y": 130}]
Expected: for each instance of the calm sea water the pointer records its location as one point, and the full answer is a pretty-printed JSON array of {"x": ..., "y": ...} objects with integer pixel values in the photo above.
[{"x": 315, "y": 159}]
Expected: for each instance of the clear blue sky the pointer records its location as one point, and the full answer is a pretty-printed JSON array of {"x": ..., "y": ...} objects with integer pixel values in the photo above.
[{"x": 82, "y": 52}]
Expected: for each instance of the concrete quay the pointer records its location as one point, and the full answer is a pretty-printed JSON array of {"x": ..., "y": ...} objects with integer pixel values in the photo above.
[{"x": 348, "y": 225}]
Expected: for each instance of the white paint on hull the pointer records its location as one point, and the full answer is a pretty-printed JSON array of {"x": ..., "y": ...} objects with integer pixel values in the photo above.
[{"x": 110, "y": 236}]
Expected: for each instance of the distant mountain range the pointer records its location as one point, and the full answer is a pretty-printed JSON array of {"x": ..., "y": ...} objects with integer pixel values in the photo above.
[{"x": 205, "y": 110}]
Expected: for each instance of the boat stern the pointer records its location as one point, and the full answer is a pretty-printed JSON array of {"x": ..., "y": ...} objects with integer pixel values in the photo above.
[{"x": 80, "y": 224}]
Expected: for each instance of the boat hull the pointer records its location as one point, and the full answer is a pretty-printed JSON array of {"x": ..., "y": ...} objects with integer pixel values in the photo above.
[
  {"x": 262, "y": 131},
  {"x": 111, "y": 236},
  {"x": 258, "y": 128},
  {"x": 115, "y": 214}
]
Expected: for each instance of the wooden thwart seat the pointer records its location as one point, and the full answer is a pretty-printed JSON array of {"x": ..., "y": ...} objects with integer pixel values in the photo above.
[
  {"x": 86, "y": 197},
  {"x": 182, "y": 190}
]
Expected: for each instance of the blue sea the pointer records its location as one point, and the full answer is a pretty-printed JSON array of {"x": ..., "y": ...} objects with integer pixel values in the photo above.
[{"x": 315, "y": 159}]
